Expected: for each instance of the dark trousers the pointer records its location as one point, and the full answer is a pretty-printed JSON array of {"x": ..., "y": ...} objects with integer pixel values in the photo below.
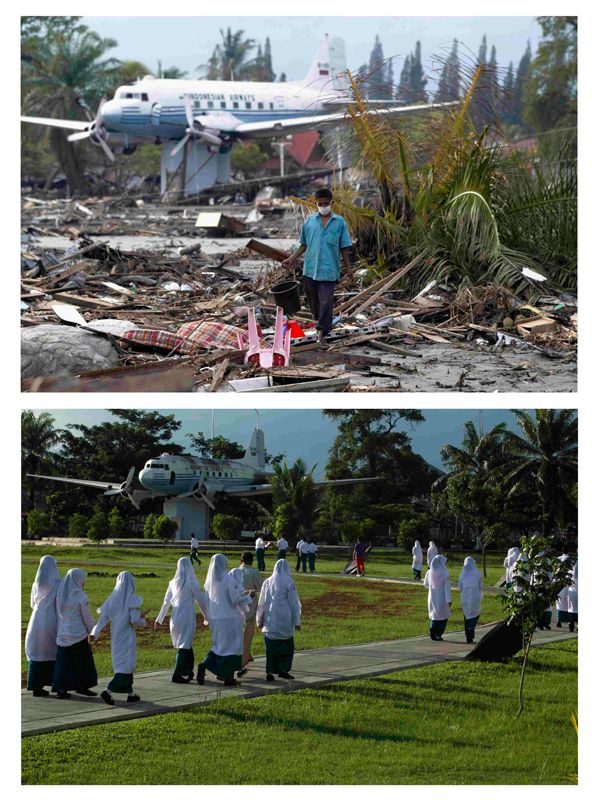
[
  {"x": 304, "y": 561},
  {"x": 417, "y": 574},
  {"x": 320, "y": 296},
  {"x": 195, "y": 557},
  {"x": 298, "y": 561},
  {"x": 311, "y": 562},
  {"x": 281, "y": 553},
  {"x": 469, "y": 628},
  {"x": 437, "y": 628},
  {"x": 260, "y": 553}
]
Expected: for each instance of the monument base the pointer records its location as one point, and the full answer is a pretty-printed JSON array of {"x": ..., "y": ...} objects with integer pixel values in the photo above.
[
  {"x": 192, "y": 516},
  {"x": 191, "y": 170}
]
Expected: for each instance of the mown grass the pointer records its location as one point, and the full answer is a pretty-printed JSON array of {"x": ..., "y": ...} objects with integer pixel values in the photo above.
[
  {"x": 446, "y": 724},
  {"x": 335, "y": 612}
]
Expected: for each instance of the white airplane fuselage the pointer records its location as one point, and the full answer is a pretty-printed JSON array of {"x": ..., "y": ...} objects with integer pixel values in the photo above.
[
  {"x": 171, "y": 476},
  {"x": 154, "y": 108}
]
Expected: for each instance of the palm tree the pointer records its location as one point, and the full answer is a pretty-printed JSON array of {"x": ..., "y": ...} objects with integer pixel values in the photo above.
[
  {"x": 469, "y": 484},
  {"x": 545, "y": 457},
  {"x": 230, "y": 59},
  {"x": 294, "y": 498},
  {"x": 38, "y": 435},
  {"x": 59, "y": 68}
]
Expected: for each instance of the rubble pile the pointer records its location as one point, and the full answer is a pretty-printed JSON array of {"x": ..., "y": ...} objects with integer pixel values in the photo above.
[{"x": 169, "y": 311}]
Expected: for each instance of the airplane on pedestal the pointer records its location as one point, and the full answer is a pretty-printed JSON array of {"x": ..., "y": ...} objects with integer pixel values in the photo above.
[
  {"x": 215, "y": 114},
  {"x": 182, "y": 476}
]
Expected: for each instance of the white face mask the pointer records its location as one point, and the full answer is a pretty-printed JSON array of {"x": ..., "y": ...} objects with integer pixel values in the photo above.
[{"x": 324, "y": 209}]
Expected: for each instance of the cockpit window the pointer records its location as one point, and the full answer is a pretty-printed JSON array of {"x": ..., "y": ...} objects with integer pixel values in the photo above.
[{"x": 144, "y": 96}]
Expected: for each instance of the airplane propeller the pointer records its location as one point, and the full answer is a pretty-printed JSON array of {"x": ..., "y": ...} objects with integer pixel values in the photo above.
[
  {"x": 125, "y": 489},
  {"x": 96, "y": 133},
  {"x": 195, "y": 130},
  {"x": 199, "y": 489}
]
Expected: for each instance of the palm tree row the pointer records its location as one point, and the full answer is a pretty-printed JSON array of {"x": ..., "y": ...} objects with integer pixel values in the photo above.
[{"x": 502, "y": 479}]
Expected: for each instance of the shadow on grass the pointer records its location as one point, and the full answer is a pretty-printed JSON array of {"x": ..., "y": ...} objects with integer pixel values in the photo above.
[{"x": 332, "y": 730}]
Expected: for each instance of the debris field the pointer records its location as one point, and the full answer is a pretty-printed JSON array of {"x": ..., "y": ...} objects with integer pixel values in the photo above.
[{"x": 125, "y": 295}]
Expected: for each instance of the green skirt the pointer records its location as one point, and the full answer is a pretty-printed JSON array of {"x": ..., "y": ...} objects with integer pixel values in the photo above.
[
  {"x": 278, "y": 655},
  {"x": 223, "y": 666},
  {"x": 121, "y": 683},
  {"x": 75, "y": 667},
  {"x": 185, "y": 661},
  {"x": 39, "y": 674}
]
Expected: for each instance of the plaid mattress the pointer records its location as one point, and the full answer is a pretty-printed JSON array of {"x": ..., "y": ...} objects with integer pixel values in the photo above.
[
  {"x": 210, "y": 335},
  {"x": 157, "y": 340}
]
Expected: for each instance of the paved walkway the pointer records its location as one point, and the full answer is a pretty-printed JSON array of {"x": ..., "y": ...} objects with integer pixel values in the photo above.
[{"x": 311, "y": 668}]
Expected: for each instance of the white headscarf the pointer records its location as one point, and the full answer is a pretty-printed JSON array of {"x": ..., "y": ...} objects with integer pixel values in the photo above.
[
  {"x": 469, "y": 576},
  {"x": 183, "y": 579},
  {"x": 438, "y": 572},
  {"x": 123, "y": 597},
  {"x": 237, "y": 575},
  {"x": 70, "y": 593},
  {"x": 417, "y": 549},
  {"x": 216, "y": 581},
  {"x": 45, "y": 580},
  {"x": 281, "y": 579}
]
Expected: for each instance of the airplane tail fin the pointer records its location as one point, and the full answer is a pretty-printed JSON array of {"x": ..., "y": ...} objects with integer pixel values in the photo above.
[
  {"x": 255, "y": 453},
  {"x": 328, "y": 66}
]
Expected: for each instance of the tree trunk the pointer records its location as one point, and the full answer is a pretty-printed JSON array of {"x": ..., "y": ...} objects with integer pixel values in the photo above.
[
  {"x": 483, "y": 556},
  {"x": 70, "y": 161},
  {"x": 522, "y": 674}
]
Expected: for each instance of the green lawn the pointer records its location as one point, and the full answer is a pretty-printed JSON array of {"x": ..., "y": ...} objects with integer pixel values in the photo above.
[
  {"x": 335, "y": 611},
  {"x": 383, "y": 563},
  {"x": 446, "y": 724}
]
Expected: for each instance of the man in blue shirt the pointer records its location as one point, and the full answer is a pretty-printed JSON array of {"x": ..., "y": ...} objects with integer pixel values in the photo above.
[{"x": 324, "y": 236}]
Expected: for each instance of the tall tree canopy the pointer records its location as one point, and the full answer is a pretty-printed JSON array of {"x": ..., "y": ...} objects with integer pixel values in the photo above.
[
  {"x": 550, "y": 91},
  {"x": 62, "y": 62}
]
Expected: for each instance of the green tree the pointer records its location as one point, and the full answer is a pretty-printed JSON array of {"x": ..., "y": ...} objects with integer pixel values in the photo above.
[
  {"x": 38, "y": 524},
  {"x": 105, "y": 452},
  {"x": 38, "y": 437},
  {"x": 247, "y": 157},
  {"x": 170, "y": 73},
  {"x": 62, "y": 63},
  {"x": 78, "y": 525},
  {"x": 130, "y": 72},
  {"x": 377, "y": 74},
  {"x": 115, "y": 524},
  {"x": 294, "y": 499},
  {"x": 231, "y": 59},
  {"x": 544, "y": 460},
  {"x": 226, "y": 526},
  {"x": 448, "y": 88},
  {"x": 411, "y": 528},
  {"x": 164, "y": 528},
  {"x": 98, "y": 527},
  {"x": 470, "y": 485},
  {"x": 538, "y": 580},
  {"x": 148, "y": 528},
  {"x": 550, "y": 90}
]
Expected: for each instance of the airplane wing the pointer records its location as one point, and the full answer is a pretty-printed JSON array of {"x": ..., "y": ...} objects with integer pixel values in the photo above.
[
  {"x": 266, "y": 488},
  {"x": 70, "y": 124},
  {"x": 91, "y": 484},
  {"x": 321, "y": 121}
]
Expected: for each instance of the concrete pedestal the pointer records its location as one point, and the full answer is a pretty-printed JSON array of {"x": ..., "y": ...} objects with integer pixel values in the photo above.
[
  {"x": 191, "y": 170},
  {"x": 192, "y": 516}
]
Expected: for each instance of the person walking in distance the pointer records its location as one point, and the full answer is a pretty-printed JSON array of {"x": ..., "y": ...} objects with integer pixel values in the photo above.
[
  {"x": 304, "y": 551},
  {"x": 312, "y": 555},
  {"x": 195, "y": 550},
  {"x": 324, "y": 238},
  {"x": 260, "y": 545},
  {"x": 359, "y": 552},
  {"x": 298, "y": 554},
  {"x": 282, "y": 545}
]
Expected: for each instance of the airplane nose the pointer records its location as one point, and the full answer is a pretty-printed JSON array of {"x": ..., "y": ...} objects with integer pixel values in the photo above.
[
  {"x": 111, "y": 112},
  {"x": 144, "y": 478}
]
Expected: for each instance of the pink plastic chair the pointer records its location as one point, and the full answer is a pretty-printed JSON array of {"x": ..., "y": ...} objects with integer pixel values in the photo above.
[{"x": 276, "y": 356}]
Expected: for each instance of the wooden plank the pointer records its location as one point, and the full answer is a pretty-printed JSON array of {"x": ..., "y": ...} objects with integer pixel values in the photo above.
[
  {"x": 219, "y": 375},
  {"x": 395, "y": 278},
  {"x": 267, "y": 250}
]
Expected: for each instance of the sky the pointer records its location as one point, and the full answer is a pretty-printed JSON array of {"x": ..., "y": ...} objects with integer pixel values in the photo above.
[
  {"x": 187, "y": 42},
  {"x": 305, "y": 433}
]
